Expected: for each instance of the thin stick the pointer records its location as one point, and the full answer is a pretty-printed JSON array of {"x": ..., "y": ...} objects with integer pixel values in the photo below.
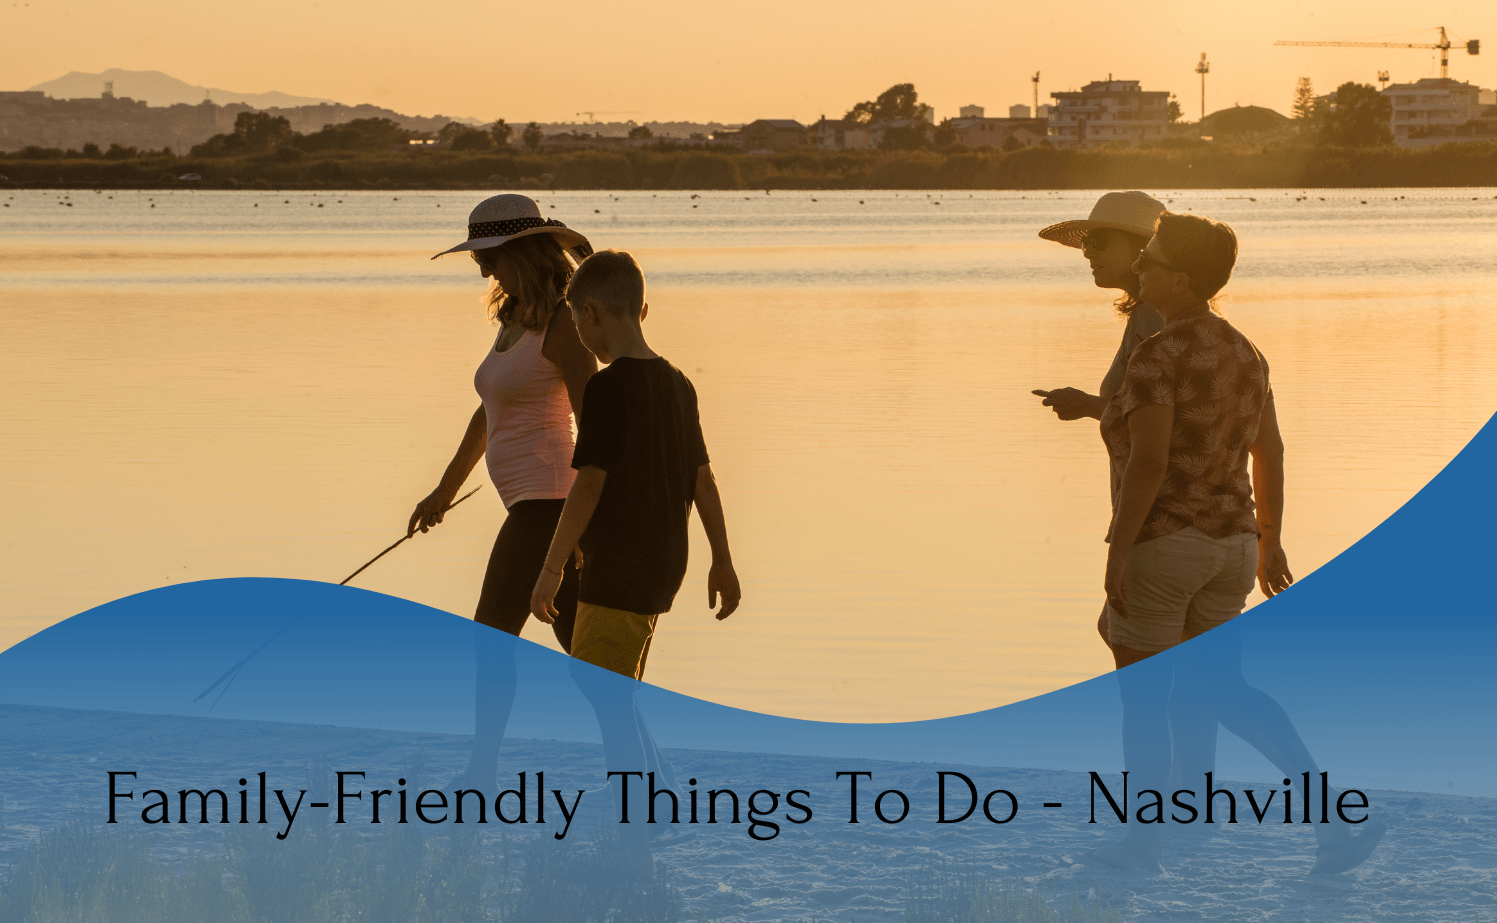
[
  {"x": 345, "y": 580},
  {"x": 227, "y": 679}
]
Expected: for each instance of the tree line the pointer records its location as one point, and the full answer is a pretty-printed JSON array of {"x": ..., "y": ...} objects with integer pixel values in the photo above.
[
  {"x": 1341, "y": 141},
  {"x": 1178, "y": 164},
  {"x": 262, "y": 133},
  {"x": 1356, "y": 115}
]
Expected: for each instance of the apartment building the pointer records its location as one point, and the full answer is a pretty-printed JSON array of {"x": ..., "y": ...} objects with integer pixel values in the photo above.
[
  {"x": 1427, "y": 111},
  {"x": 1106, "y": 112}
]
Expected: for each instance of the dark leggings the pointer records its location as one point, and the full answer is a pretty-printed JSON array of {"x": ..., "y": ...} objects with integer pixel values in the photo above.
[
  {"x": 514, "y": 564},
  {"x": 504, "y": 603}
]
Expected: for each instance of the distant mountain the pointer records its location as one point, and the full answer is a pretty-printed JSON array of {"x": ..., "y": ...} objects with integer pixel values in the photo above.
[{"x": 158, "y": 89}]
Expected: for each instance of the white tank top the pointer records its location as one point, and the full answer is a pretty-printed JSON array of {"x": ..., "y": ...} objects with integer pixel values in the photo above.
[{"x": 529, "y": 448}]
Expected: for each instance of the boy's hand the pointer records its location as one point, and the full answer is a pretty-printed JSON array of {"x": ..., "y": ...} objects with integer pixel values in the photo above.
[
  {"x": 543, "y": 597},
  {"x": 721, "y": 578}
]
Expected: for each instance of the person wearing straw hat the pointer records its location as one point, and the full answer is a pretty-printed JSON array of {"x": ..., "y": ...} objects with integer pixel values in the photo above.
[
  {"x": 1110, "y": 238},
  {"x": 530, "y": 386}
]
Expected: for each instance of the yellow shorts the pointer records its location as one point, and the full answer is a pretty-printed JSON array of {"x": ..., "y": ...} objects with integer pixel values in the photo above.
[{"x": 613, "y": 638}]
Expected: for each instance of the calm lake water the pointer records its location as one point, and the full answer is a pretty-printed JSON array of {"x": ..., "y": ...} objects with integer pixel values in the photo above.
[{"x": 219, "y": 384}]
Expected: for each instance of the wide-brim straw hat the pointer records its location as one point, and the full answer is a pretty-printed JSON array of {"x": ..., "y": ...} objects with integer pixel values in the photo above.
[
  {"x": 1134, "y": 212},
  {"x": 502, "y": 218}
]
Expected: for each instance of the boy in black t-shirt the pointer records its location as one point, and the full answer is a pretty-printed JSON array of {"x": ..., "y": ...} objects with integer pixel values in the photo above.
[{"x": 641, "y": 463}]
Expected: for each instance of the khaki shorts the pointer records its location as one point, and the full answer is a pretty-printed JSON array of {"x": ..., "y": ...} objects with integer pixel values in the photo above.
[
  {"x": 613, "y": 638},
  {"x": 1183, "y": 584}
]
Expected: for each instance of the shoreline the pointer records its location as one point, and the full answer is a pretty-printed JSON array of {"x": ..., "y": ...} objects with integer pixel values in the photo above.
[{"x": 1202, "y": 166}]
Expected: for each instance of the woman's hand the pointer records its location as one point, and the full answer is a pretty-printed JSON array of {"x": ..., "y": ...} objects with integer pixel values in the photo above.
[
  {"x": 430, "y": 510},
  {"x": 1273, "y": 567},
  {"x": 543, "y": 597},
  {"x": 1114, "y": 582},
  {"x": 1072, "y": 403}
]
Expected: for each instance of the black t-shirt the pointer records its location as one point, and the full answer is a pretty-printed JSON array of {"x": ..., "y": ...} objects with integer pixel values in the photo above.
[{"x": 639, "y": 424}]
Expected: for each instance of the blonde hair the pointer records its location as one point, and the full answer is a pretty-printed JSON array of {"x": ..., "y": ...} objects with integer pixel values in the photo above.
[
  {"x": 1129, "y": 301},
  {"x": 542, "y": 270},
  {"x": 613, "y": 279}
]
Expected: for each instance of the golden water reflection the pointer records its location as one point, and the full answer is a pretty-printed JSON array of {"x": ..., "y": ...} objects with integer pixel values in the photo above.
[{"x": 917, "y": 537}]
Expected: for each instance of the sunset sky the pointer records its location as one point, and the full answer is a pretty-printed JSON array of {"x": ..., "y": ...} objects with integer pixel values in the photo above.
[{"x": 691, "y": 60}]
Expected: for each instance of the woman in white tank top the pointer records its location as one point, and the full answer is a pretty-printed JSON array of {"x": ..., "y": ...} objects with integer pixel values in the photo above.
[{"x": 530, "y": 385}]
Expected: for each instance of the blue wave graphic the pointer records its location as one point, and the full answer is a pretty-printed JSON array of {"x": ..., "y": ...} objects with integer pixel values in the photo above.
[
  {"x": 1380, "y": 658},
  {"x": 256, "y": 692}
]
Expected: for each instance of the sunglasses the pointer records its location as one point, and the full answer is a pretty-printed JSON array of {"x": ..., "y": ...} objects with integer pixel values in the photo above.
[
  {"x": 1145, "y": 261},
  {"x": 1096, "y": 240}
]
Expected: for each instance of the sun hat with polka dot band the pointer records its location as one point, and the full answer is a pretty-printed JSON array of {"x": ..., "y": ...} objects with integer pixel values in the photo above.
[{"x": 502, "y": 218}]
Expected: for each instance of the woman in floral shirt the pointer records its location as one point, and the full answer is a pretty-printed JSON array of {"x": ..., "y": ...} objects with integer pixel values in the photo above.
[
  {"x": 1187, "y": 539},
  {"x": 1186, "y": 536}
]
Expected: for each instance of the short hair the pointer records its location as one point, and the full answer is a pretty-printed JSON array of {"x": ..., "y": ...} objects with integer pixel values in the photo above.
[
  {"x": 611, "y": 278},
  {"x": 1203, "y": 248}
]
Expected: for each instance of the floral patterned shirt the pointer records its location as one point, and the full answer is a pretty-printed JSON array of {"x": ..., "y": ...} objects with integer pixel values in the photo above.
[{"x": 1217, "y": 381}]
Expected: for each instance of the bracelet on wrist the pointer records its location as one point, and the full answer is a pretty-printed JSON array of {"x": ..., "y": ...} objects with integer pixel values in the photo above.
[{"x": 548, "y": 569}]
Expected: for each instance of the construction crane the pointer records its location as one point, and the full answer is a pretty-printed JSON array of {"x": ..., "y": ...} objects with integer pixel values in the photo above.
[
  {"x": 592, "y": 116},
  {"x": 1443, "y": 46}
]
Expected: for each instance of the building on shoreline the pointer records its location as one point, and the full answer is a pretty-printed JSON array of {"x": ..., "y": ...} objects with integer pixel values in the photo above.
[
  {"x": 998, "y": 133},
  {"x": 772, "y": 135},
  {"x": 1108, "y": 112},
  {"x": 1431, "y": 111},
  {"x": 839, "y": 135}
]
